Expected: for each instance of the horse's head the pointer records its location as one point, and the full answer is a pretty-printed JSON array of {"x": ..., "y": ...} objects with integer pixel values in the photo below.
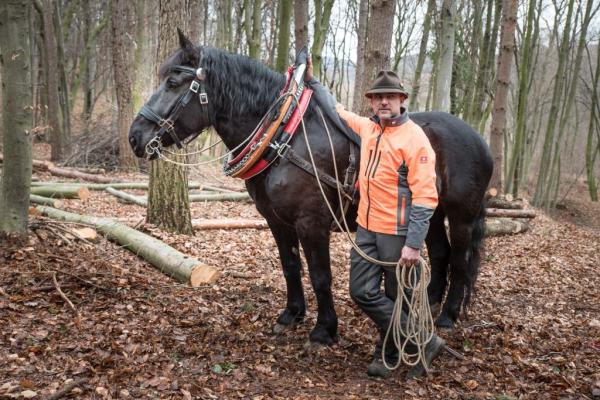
[{"x": 178, "y": 109}]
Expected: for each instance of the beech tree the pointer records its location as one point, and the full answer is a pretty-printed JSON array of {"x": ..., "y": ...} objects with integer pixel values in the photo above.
[
  {"x": 17, "y": 114},
  {"x": 168, "y": 198}
]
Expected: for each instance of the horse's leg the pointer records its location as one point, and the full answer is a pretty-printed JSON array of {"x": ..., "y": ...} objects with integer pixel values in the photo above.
[
  {"x": 460, "y": 239},
  {"x": 438, "y": 249},
  {"x": 315, "y": 242},
  {"x": 289, "y": 253}
]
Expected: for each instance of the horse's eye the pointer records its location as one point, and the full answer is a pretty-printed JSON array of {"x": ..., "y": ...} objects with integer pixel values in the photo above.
[{"x": 172, "y": 83}]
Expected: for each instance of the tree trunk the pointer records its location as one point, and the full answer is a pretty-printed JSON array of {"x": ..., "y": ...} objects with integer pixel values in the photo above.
[
  {"x": 122, "y": 32},
  {"x": 301, "y": 23},
  {"x": 62, "y": 192},
  {"x": 168, "y": 201},
  {"x": 380, "y": 29},
  {"x": 505, "y": 62},
  {"x": 513, "y": 178},
  {"x": 162, "y": 256},
  {"x": 283, "y": 36},
  {"x": 543, "y": 186},
  {"x": 253, "y": 26},
  {"x": 359, "y": 79},
  {"x": 54, "y": 119},
  {"x": 320, "y": 28},
  {"x": 63, "y": 87},
  {"x": 416, "y": 87},
  {"x": 17, "y": 115},
  {"x": 591, "y": 151},
  {"x": 441, "y": 98}
]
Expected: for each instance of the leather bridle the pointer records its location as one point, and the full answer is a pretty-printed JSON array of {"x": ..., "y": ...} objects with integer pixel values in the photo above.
[{"x": 167, "y": 124}]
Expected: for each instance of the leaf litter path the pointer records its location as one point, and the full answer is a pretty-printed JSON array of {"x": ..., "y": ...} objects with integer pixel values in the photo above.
[{"x": 533, "y": 331}]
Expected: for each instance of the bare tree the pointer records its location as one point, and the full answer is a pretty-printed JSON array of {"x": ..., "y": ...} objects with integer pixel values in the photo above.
[
  {"x": 320, "y": 28},
  {"x": 168, "y": 198},
  {"x": 416, "y": 86},
  {"x": 123, "y": 57},
  {"x": 283, "y": 36},
  {"x": 441, "y": 98},
  {"x": 505, "y": 62},
  {"x": 17, "y": 114},
  {"x": 301, "y": 23},
  {"x": 253, "y": 26}
]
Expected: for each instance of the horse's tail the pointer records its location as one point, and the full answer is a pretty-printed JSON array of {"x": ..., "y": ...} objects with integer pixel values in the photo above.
[{"x": 475, "y": 252}]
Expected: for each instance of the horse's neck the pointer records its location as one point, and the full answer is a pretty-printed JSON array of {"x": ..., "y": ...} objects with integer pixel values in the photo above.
[{"x": 234, "y": 131}]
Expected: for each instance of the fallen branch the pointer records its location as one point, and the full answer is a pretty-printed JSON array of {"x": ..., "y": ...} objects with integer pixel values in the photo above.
[
  {"x": 64, "y": 296},
  {"x": 67, "y": 388},
  {"x": 130, "y": 198},
  {"x": 66, "y": 173},
  {"x": 63, "y": 192},
  {"x": 502, "y": 202},
  {"x": 162, "y": 256},
  {"x": 220, "y": 197},
  {"x": 220, "y": 189},
  {"x": 46, "y": 201},
  {"x": 498, "y": 212},
  {"x": 209, "y": 224}
]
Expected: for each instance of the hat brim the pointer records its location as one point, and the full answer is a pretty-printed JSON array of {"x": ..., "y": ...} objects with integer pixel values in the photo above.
[{"x": 380, "y": 90}]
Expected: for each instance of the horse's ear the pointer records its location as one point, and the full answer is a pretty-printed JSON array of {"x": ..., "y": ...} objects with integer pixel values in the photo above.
[{"x": 184, "y": 42}]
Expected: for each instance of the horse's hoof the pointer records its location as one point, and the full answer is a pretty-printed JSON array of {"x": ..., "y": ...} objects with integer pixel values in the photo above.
[
  {"x": 444, "y": 323},
  {"x": 322, "y": 336}
]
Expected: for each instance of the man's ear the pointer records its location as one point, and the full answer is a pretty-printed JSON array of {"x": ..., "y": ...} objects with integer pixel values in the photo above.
[{"x": 184, "y": 42}]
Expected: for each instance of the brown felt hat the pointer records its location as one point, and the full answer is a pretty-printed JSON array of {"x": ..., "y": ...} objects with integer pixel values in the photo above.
[{"x": 386, "y": 82}]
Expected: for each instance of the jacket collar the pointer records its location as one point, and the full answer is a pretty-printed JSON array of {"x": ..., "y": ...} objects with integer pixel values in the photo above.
[{"x": 392, "y": 122}]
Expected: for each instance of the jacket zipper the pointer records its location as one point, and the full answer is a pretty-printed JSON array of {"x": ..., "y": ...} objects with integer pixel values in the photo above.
[{"x": 369, "y": 179}]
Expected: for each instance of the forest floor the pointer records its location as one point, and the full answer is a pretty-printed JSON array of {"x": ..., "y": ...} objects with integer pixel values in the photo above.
[{"x": 532, "y": 332}]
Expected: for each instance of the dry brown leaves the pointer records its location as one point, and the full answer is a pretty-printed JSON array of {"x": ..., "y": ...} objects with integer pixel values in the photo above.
[{"x": 532, "y": 332}]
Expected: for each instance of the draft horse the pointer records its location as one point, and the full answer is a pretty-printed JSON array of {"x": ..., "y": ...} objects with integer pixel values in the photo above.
[{"x": 235, "y": 93}]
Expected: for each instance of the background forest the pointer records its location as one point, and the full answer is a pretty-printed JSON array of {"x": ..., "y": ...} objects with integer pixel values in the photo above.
[{"x": 93, "y": 64}]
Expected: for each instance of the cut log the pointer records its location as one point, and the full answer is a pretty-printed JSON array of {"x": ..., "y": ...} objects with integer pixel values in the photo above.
[
  {"x": 130, "y": 198},
  {"x": 46, "y": 201},
  {"x": 498, "y": 212},
  {"x": 68, "y": 173},
  {"x": 230, "y": 223},
  {"x": 162, "y": 256},
  {"x": 103, "y": 186},
  {"x": 219, "y": 189},
  {"x": 501, "y": 202},
  {"x": 220, "y": 197},
  {"x": 86, "y": 233},
  {"x": 62, "y": 192},
  {"x": 504, "y": 226},
  {"x": 491, "y": 192}
]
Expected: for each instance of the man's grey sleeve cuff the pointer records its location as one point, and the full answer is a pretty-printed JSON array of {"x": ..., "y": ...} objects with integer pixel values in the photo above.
[{"x": 418, "y": 225}]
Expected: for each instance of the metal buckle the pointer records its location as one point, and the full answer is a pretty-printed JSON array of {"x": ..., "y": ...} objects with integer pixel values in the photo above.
[
  {"x": 282, "y": 149},
  {"x": 200, "y": 74},
  {"x": 153, "y": 146},
  {"x": 167, "y": 124},
  {"x": 203, "y": 98},
  {"x": 195, "y": 86}
]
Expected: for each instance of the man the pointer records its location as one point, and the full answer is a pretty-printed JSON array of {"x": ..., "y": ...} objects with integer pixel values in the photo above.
[{"x": 398, "y": 196}]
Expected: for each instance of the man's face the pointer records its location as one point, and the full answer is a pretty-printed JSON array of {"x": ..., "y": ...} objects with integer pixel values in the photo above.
[{"x": 387, "y": 105}]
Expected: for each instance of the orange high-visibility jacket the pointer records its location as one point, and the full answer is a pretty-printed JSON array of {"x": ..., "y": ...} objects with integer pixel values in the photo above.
[{"x": 397, "y": 178}]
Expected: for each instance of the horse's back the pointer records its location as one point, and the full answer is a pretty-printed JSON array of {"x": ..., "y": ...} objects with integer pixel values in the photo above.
[{"x": 463, "y": 158}]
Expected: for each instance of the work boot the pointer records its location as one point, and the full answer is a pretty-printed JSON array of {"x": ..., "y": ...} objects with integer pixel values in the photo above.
[
  {"x": 433, "y": 348},
  {"x": 377, "y": 369}
]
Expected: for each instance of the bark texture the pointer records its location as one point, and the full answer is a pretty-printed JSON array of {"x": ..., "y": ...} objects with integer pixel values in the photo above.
[
  {"x": 168, "y": 201},
  {"x": 301, "y": 23},
  {"x": 17, "y": 114},
  {"x": 122, "y": 44},
  {"x": 505, "y": 62}
]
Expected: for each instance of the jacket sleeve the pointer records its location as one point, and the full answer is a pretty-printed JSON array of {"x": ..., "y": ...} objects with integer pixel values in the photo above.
[
  {"x": 325, "y": 97},
  {"x": 421, "y": 181}
]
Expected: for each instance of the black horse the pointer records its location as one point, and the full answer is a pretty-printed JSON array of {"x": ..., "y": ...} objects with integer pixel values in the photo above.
[{"x": 239, "y": 92}]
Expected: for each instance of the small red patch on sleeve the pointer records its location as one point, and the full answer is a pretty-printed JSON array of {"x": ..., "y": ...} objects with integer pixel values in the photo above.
[{"x": 423, "y": 160}]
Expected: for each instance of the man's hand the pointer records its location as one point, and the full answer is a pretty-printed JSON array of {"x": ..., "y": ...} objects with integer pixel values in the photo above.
[
  {"x": 409, "y": 256},
  {"x": 308, "y": 74}
]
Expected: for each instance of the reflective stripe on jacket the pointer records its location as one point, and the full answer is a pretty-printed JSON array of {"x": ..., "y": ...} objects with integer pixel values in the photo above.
[{"x": 397, "y": 177}]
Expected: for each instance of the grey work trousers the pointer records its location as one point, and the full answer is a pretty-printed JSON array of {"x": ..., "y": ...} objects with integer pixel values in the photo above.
[{"x": 365, "y": 283}]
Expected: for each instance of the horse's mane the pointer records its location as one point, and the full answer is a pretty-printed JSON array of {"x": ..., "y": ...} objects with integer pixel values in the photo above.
[{"x": 238, "y": 85}]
